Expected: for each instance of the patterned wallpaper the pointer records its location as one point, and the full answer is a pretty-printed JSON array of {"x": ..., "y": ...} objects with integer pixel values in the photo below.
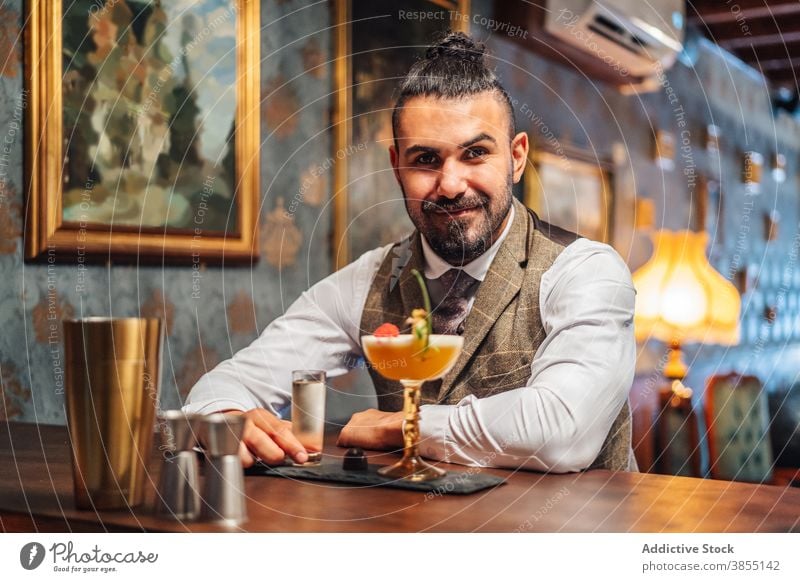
[{"x": 234, "y": 303}]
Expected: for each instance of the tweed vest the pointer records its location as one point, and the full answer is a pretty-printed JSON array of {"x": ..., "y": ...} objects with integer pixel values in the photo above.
[{"x": 502, "y": 331}]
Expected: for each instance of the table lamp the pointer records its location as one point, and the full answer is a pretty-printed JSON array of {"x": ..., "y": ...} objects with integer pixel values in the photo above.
[{"x": 681, "y": 298}]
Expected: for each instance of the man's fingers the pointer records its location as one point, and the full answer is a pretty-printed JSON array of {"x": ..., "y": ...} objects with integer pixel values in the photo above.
[
  {"x": 281, "y": 433},
  {"x": 248, "y": 460},
  {"x": 268, "y": 438},
  {"x": 289, "y": 443},
  {"x": 344, "y": 438},
  {"x": 261, "y": 445}
]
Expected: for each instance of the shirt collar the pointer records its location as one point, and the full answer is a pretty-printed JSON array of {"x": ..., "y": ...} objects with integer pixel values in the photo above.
[{"x": 436, "y": 266}]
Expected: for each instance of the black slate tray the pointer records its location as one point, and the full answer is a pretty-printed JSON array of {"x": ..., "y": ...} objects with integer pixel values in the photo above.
[{"x": 456, "y": 483}]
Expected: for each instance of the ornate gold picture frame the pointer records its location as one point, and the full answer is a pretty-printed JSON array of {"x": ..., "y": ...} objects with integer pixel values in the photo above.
[{"x": 142, "y": 130}]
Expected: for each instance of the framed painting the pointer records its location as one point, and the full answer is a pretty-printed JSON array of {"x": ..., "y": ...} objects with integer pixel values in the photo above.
[
  {"x": 142, "y": 129},
  {"x": 708, "y": 210},
  {"x": 376, "y": 43},
  {"x": 571, "y": 190}
]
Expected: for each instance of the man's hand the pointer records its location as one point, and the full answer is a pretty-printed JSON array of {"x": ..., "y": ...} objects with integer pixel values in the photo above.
[
  {"x": 269, "y": 438},
  {"x": 373, "y": 429}
]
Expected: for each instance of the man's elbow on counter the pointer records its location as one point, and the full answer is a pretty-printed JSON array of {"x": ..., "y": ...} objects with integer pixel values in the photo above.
[{"x": 568, "y": 455}]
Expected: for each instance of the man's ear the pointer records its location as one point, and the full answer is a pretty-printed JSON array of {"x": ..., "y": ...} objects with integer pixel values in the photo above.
[
  {"x": 394, "y": 157},
  {"x": 519, "y": 155}
]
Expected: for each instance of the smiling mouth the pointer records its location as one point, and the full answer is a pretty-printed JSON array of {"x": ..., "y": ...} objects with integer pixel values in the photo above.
[{"x": 457, "y": 212}]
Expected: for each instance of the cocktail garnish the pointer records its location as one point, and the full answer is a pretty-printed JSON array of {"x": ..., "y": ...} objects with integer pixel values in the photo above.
[
  {"x": 420, "y": 320},
  {"x": 387, "y": 330}
]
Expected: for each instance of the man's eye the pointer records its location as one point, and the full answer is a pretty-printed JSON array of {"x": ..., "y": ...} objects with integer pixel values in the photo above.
[
  {"x": 426, "y": 159},
  {"x": 475, "y": 153}
]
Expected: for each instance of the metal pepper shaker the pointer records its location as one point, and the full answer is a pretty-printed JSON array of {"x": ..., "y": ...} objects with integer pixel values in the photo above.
[{"x": 179, "y": 483}]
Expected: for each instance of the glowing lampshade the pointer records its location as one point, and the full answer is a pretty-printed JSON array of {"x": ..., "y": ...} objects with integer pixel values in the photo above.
[{"x": 681, "y": 298}]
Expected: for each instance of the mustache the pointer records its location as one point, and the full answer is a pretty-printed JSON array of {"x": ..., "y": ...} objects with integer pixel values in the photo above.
[{"x": 444, "y": 204}]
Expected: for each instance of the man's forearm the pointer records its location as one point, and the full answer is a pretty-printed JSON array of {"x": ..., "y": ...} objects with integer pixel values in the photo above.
[
  {"x": 524, "y": 428},
  {"x": 318, "y": 331}
]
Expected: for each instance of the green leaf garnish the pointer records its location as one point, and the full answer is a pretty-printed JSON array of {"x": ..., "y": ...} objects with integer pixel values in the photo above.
[{"x": 422, "y": 326}]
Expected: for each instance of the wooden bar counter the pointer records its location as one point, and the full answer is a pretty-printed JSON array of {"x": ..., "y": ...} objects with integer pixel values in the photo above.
[{"x": 36, "y": 495}]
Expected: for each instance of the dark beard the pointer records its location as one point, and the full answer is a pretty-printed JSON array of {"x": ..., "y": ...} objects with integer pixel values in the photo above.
[{"x": 454, "y": 247}]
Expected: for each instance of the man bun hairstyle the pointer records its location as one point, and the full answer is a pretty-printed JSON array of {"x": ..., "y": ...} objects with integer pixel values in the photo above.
[
  {"x": 457, "y": 45},
  {"x": 454, "y": 67}
]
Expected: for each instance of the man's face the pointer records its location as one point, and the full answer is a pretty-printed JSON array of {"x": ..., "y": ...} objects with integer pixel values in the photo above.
[{"x": 455, "y": 164}]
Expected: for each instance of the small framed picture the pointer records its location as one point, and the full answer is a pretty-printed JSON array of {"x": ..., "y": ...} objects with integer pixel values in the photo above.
[
  {"x": 664, "y": 149},
  {"x": 571, "y": 191},
  {"x": 708, "y": 212},
  {"x": 778, "y": 167},
  {"x": 771, "y": 223},
  {"x": 712, "y": 138},
  {"x": 753, "y": 162}
]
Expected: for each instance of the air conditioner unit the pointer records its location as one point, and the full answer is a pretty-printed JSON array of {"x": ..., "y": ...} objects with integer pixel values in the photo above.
[{"x": 632, "y": 37}]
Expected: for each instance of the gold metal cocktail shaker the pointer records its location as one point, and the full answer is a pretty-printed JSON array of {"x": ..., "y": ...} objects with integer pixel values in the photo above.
[{"x": 112, "y": 383}]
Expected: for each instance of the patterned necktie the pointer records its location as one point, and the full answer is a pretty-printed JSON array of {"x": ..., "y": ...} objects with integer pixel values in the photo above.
[{"x": 449, "y": 315}]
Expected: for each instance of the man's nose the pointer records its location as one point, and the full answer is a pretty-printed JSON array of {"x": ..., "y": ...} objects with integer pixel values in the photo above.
[{"x": 452, "y": 179}]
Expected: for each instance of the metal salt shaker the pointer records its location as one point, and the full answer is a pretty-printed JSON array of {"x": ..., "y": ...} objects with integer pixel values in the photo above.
[{"x": 223, "y": 491}]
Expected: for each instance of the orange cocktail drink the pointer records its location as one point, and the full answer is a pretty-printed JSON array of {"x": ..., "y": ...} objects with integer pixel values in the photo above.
[
  {"x": 412, "y": 360},
  {"x": 404, "y": 357}
]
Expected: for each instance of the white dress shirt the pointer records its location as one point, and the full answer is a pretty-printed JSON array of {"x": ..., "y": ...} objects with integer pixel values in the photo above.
[{"x": 580, "y": 375}]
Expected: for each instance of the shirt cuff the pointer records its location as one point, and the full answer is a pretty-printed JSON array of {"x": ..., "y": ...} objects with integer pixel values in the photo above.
[
  {"x": 209, "y": 406},
  {"x": 433, "y": 428}
]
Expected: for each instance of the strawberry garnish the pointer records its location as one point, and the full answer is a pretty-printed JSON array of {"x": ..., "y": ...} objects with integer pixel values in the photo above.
[{"x": 387, "y": 330}]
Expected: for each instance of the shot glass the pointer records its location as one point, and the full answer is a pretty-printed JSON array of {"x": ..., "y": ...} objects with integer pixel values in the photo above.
[{"x": 308, "y": 411}]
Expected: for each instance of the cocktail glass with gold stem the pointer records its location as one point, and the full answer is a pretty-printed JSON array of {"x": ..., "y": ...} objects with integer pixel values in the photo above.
[{"x": 410, "y": 361}]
